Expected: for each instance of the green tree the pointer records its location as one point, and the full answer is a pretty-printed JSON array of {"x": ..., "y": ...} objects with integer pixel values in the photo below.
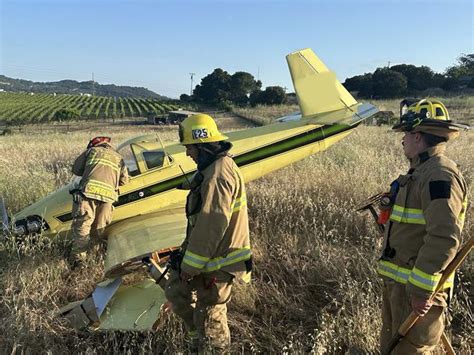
[
  {"x": 242, "y": 84},
  {"x": 184, "y": 98},
  {"x": 360, "y": 83},
  {"x": 214, "y": 88},
  {"x": 221, "y": 88},
  {"x": 471, "y": 83},
  {"x": 449, "y": 83},
  {"x": 418, "y": 78},
  {"x": 272, "y": 95},
  {"x": 388, "y": 83},
  {"x": 465, "y": 67},
  {"x": 438, "y": 80}
]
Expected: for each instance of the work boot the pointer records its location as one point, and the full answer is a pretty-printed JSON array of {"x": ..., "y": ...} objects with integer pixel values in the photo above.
[
  {"x": 206, "y": 347},
  {"x": 98, "y": 246},
  {"x": 76, "y": 261},
  {"x": 193, "y": 342}
]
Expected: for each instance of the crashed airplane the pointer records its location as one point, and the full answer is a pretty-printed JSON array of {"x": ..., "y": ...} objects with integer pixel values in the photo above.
[{"x": 149, "y": 220}]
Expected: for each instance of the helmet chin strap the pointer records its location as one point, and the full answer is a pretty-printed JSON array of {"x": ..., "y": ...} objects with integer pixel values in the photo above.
[
  {"x": 205, "y": 157},
  {"x": 202, "y": 148}
]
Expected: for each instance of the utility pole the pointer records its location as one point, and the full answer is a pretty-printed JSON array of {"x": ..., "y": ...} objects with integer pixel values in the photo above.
[
  {"x": 93, "y": 85},
  {"x": 192, "y": 82}
]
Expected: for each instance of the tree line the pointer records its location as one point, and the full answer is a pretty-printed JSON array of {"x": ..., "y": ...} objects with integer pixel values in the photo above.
[
  {"x": 406, "y": 79},
  {"x": 221, "y": 89}
]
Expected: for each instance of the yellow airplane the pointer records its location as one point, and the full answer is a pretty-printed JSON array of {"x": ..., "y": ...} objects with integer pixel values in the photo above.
[{"x": 149, "y": 219}]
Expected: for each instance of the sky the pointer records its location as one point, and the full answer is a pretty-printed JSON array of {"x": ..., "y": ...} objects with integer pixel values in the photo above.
[{"x": 157, "y": 44}]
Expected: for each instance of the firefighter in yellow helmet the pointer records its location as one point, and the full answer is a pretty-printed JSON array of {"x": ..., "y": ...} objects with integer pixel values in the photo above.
[
  {"x": 102, "y": 171},
  {"x": 424, "y": 229},
  {"x": 216, "y": 251}
]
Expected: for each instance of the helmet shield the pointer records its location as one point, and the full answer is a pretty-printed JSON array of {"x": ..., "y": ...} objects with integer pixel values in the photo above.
[{"x": 410, "y": 120}]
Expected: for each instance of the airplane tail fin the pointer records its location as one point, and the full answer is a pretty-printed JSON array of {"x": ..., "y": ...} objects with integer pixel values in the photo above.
[{"x": 317, "y": 89}]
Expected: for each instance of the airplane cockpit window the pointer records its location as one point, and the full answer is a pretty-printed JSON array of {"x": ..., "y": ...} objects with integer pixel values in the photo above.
[
  {"x": 129, "y": 160},
  {"x": 154, "y": 159}
]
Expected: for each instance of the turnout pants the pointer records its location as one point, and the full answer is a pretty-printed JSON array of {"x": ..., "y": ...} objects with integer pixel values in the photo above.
[
  {"x": 202, "y": 304},
  {"x": 423, "y": 336},
  {"x": 90, "y": 217}
]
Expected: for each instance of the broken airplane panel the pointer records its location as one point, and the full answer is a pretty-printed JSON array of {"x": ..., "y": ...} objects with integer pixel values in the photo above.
[{"x": 149, "y": 216}]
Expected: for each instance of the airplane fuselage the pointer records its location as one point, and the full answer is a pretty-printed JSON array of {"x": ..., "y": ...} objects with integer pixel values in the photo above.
[{"x": 257, "y": 151}]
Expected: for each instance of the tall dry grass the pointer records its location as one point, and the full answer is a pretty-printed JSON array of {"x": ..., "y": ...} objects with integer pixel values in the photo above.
[
  {"x": 263, "y": 114},
  {"x": 315, "y": 288}
]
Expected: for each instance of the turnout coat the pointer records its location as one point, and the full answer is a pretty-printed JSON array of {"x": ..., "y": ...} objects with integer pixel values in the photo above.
[{"x": 424, "y": 230}]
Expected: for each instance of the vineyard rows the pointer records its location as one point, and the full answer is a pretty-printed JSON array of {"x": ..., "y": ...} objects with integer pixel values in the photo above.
[{"x": 17, "y": 108}]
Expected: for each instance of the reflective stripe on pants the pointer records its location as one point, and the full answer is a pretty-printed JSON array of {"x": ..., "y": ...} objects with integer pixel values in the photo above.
[{"x": 414, "y": 276}]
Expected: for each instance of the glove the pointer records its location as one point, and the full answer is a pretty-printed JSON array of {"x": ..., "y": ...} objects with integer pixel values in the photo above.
[
  {"x": 176, "y": 257},
  {"x": 76, "y": 195}
]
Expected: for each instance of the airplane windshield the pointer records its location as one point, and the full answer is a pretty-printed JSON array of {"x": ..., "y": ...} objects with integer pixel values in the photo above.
[
  {"x": 154, "y": 159},
  {"x": 129, "y": 160}
]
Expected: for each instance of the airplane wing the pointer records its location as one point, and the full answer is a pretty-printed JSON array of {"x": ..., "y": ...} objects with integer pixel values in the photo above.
[
  {"x": 114, "y": 304},
  {"x": 321, "y": 97},
  {"x": 132, "y": 239}
]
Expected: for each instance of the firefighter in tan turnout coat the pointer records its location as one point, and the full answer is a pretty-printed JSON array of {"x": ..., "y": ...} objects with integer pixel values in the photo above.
[
  {"x": 216, "y": 250},
  {"x": 423, "y": 233},
  {"x": 103, "y": 171}
]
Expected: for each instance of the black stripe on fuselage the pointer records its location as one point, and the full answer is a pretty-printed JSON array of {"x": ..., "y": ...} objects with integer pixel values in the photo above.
[{"x": 291, "y": 143}]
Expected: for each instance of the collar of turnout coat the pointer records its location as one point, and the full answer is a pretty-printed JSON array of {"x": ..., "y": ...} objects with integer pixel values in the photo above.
[
  {"x": 206, "y": 158},
  {"x": 438, "y": 149}
]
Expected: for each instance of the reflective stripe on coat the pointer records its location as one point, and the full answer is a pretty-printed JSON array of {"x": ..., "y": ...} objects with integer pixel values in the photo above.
[{"x": 103, "y": 171}]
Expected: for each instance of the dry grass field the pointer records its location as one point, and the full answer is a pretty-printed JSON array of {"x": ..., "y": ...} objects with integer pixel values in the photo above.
[
  {"x": 461, "y": 109},
  {"x": 314, "y": 287},
  {"x": 262, "y": 114}
]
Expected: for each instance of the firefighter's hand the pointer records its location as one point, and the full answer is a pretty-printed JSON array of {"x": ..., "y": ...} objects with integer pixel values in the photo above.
[
  {"x": 420, "y": 306},
  {"x": 184, "y": 276},
  {"x": 166, "y": 307}
]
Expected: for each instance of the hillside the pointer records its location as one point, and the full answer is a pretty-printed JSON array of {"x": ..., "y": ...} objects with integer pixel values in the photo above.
[{"x": 75, "y": 88}]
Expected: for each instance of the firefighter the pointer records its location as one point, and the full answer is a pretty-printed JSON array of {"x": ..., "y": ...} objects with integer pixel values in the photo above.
[
  {"x": 424, "y": 230},
  {"x": 102, "y": 170},
  {"x": 216, "y": 251}
]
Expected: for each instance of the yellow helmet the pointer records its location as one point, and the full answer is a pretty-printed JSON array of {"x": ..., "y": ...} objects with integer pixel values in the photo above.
[
  {"x": 429, "y": 116},
  {"x": 200, "y": 128},
  {"x": 429, "y": 109}
]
